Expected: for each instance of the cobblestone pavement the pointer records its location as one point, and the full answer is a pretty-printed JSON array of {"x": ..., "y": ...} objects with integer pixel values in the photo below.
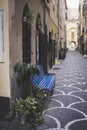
[{"x": 67, "y": 109}]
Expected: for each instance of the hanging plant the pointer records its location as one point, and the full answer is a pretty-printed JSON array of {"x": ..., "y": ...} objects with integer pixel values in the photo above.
[
  {"x": 29, "y": 18},
  {"x": 38, "y": 23}
]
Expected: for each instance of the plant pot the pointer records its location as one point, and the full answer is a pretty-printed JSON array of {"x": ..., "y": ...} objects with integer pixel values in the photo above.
[
  {"x": 32, "y": 127},
  {"x": 62, "y": 53},
  {"x": 23, "y": 119}
]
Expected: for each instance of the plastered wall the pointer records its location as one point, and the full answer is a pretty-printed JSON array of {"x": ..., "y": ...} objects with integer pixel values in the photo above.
[
  {"x": 4, "y": 67},
  {"x": 16, "y": 8}
]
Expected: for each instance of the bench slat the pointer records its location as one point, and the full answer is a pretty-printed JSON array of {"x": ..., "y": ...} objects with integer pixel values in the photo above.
[{"x": 43, "y": 81}]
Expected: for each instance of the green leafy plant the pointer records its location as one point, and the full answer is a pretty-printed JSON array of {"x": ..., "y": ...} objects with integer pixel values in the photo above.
[
  {"x": 23, "y": 106},
  {"x": 24, "y": 73},
  {"x": 32, "y": 107},
  {"x": 30, "y": 18},
  {"x": 38, "y": 23}
]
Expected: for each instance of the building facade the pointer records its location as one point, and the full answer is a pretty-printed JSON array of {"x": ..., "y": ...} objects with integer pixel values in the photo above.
[
  {"x": 81, "y": 44},
  {"x": 52, "y": 32},
  {"x": 18, "y": 43},
  {"x": 25, "y": 27},
  {"x": 30, "y": 32},
  {"x": 85, "y": 26},
  {"x": 62, "y": 11},
  {"x": 72, "y": 24},
  {"x": 72, "y": 35}
]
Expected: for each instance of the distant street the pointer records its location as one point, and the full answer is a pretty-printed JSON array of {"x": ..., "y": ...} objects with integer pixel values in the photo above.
[{"x": 67, "y": 109}]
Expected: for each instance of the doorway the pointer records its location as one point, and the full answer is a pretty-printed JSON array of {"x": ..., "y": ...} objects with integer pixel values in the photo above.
[{"x": 26, "y": 34}]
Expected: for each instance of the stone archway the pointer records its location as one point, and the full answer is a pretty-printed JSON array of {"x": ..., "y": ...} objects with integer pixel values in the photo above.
[
  {"x": 26, "y": 35},
  {"x": 72, "y": 46}
]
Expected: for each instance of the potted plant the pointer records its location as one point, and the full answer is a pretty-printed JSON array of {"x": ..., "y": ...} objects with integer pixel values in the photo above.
[
  {"x": 24, "y": 72},
  {"x": 24, "y": 108},
  {"x": 62, "y": 53},
  {"x": 85, "y": 53},
  {"x": 30, "y": 109}
]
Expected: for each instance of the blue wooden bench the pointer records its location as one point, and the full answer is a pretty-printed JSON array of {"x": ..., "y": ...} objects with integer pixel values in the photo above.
[{"x": 45, "y": 82}]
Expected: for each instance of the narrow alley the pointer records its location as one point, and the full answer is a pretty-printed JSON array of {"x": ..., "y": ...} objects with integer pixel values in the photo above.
[
  {"x": 37, "y": 37},
  {"x": 67, "y": 109}
]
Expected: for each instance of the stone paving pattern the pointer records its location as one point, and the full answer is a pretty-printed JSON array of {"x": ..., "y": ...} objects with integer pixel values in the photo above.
[{"x": 67, "y": 109}]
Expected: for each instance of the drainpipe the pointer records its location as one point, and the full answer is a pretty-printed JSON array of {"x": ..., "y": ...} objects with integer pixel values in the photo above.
[
  {"x": 59, "y": 27},
  {"x": 59, "y": 23},
  {"x": 45, "y": 29},
  {"x": 58, "y": 19}
]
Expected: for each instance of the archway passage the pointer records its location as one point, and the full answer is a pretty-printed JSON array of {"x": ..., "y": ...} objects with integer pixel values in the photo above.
[
  {"x": 26, "y": 36},
  {"x": 72, "y": 46}
]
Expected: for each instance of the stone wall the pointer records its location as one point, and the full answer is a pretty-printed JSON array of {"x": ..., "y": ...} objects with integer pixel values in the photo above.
[{"x": 15, "y": 29}]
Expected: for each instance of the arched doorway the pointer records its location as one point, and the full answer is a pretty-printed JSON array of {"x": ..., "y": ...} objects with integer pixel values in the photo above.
[
  {"x": 41, "y": 44},
  {"x": 72, "y": 46},
  {"x": 26, "y": 34},
  {"x": 38, "y": 34}
]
